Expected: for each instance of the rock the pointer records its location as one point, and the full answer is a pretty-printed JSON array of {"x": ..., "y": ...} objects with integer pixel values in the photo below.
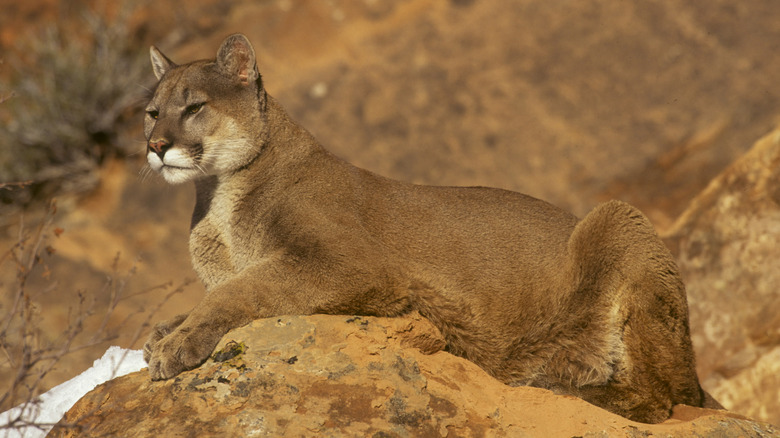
[
  {"x": 354, "y": 376},
  {"x": 728, "y": 248}
]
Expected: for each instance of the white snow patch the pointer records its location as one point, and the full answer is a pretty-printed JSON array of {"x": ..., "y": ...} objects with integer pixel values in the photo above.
[{"x": 49, "y": 408}]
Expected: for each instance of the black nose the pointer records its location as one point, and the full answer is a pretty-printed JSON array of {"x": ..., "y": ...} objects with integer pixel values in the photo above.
[{"x": 159, "y": 147}]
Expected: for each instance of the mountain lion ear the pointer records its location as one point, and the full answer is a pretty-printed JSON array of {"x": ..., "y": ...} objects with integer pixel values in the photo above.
[
  {"x": 236, "y": 59},
  {"x": 160, "y": 63}
]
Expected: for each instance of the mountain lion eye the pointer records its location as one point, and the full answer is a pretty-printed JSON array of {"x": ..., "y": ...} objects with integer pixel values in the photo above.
[
  {"x": 153, "y": 114},
  {"x": 193, "y": 109}
]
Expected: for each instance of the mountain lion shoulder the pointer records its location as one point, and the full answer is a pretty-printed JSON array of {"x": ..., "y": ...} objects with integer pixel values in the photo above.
[{"x": 593, "y": 308}]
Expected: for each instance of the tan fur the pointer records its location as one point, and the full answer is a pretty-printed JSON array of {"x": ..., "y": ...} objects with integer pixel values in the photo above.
[{"x": 593, "y": 308}]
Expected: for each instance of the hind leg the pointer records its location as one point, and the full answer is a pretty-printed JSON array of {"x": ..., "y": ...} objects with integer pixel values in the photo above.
[
  {"x": 620, "y": 260},
  {"x": 655, "y": 372}
]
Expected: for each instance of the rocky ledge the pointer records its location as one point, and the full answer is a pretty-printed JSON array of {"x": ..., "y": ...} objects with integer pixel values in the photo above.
[{"x": 355, "y": 376}]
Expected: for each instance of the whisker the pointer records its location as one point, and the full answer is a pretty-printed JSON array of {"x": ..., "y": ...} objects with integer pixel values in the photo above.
[
  {"x": 142, "y": 174},
  {"x": 145, "y": 173}
]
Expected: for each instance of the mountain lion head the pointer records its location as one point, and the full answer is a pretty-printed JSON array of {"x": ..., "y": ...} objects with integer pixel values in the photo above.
[{"x": 203, "y": 118}]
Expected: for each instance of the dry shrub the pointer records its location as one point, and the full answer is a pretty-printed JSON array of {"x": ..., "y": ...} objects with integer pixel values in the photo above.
[{"x": 72, "y": 86}]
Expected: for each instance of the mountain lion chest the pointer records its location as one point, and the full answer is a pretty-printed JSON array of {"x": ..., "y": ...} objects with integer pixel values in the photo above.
[{"x": 222, "y": 241}]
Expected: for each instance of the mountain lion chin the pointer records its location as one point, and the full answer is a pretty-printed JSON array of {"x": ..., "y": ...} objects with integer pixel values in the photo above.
[{"x": 178, "y": 175}]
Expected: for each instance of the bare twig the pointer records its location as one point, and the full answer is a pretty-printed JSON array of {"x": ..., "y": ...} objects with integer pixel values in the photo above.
[{"x": 32, "y": 359}]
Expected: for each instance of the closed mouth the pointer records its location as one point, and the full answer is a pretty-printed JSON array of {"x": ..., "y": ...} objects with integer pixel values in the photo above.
[{"x": 175, "y": 167}]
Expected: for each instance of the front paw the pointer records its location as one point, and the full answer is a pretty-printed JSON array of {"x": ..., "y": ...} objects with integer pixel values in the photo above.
[
  {"x": 177, "y": 352},
  {"x": 161, "y": 330}
]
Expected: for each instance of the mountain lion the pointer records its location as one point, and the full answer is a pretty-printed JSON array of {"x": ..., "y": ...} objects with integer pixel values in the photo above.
[{"x": 593, "y": 308}]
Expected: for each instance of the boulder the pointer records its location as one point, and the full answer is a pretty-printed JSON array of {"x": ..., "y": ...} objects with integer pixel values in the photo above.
[
  {"x": 354, "y": 376},
  {"x": 728, "y": 248}
]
